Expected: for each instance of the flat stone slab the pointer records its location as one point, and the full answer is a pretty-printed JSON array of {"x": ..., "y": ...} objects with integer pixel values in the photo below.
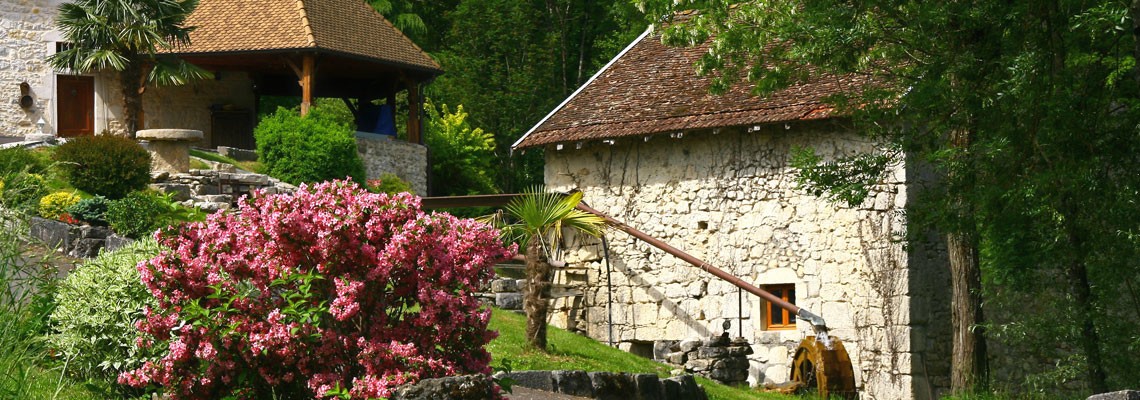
[
  {"x": 1121, "y": 395},
  {"x": 170, "y": 135}
]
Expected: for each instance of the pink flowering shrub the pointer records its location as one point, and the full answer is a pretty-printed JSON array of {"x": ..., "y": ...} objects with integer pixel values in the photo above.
[{"x": 332, "y": 291}]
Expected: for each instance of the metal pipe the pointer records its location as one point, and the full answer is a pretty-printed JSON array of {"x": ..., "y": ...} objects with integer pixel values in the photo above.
[
  {"x": 609, "y": 291},
  {"x": 816, "y": 321}
]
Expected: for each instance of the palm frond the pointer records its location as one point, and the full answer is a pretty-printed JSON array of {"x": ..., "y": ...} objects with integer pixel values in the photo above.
[{"x": 175, "y": 71}]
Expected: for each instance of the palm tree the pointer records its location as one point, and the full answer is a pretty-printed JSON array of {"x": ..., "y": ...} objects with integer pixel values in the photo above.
[
  {"x": 126, "y": 35},
  {"x": 540, "y": 218}
]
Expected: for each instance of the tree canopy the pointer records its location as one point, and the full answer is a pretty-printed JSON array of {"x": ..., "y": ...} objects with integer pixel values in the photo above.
[{"x": 1027, "y": 109}]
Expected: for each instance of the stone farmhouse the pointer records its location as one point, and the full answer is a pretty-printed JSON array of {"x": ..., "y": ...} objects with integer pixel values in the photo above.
[
  {"x": 309, "y": 48},
  {"x": 710, "y": 175}
]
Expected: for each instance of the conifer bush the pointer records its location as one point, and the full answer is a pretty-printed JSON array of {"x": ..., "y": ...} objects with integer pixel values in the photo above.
[
  {"x": 104, "y": 165},
  {"x": 328, "y": 292}
]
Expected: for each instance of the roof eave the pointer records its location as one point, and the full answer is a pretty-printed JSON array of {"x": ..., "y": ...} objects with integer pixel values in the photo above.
[{"x": 432, "y": 71}]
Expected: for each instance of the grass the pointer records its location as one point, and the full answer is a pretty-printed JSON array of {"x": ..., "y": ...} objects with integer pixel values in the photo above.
[
  {"x": 574, "y": 352},
  {"x": 27, "y": 276},
  {"x": 252, "y": 166}
]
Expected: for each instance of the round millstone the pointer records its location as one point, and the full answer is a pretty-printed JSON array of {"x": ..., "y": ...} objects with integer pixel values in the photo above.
[{"x": 170, "y": 135}]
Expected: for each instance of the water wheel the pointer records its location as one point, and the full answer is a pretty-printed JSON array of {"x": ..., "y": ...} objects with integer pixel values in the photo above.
[{"x": 826, "y": 370}]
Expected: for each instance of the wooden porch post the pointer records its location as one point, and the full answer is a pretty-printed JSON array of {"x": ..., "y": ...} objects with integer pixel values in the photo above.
[
  {"x": 415, "y": 109},
  {"x": 308, "y": 67}
]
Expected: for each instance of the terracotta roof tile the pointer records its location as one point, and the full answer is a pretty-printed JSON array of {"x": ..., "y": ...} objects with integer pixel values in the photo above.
[
  {"x": 653, "y": 88},
  {"x": 344, "y": 26}
]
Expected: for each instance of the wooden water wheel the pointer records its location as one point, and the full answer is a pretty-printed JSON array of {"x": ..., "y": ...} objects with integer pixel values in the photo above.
[{"x": 826, "y": 370}]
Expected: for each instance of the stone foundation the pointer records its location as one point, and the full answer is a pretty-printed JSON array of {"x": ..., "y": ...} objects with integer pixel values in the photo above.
[
  {"x": 211, "y": 190},
  {"x": 382, "y": 154},
  {"x": 717, "y": 358}
]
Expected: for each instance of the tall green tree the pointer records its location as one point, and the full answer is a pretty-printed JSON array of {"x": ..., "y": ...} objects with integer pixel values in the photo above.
[
  {"x": 510, "y": 62},
  {"x": 126, "y": 36},
  {"x": 1027, "y": 109},
  {"x": 462, "y": 156}
]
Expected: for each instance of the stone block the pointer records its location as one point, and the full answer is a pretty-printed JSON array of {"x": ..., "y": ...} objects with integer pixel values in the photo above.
[
  {"x": 728, "y": 374},
  {"x": 613, "y": 386},
  {"x": 252, "y": 179},
  {"x": 178, "y": 191},
  {"x": 676, "y": 357},
  {"x": 504, "y": 285},
  {"x": 220, "y": 198},
  {"x": 683, "y": 387},
  {"x": 54, "y": 234},
  {"x": 739, "y": 350},
  {"x": 541, "y": 380},
  {"x": 712, "y": 352},
  {"x": 574, "y": 383},
  {"x": 715, "y": 341},
  {"x": 688, "y": 345},
  {"x": 698, "y": 365},
  {"x": 509, "y": 301},
  {"x": 466, "y": 387},
  {"x": 86, "y": 248},
  {"x": 237, "y": 154},
  {"x": 115, "y": 242},
  {"x": 1120, "y": 395},
  {"x": 649, "y": 387},
  {"x": 662, "y": 348}
]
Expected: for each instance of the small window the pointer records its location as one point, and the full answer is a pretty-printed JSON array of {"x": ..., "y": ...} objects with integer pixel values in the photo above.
[
  {"x": 61, "y": 46},
  {"x": 777, "y": 318}
]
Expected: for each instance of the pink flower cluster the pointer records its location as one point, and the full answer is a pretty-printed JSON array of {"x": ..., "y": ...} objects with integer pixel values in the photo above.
[{"x": 392, "y": 301}]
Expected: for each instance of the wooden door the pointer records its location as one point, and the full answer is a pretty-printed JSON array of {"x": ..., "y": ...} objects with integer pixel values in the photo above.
[{"x": 75, "y": 105}]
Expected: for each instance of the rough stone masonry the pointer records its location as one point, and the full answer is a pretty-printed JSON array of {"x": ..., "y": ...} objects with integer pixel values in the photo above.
[{"x": 732, "y": 199}]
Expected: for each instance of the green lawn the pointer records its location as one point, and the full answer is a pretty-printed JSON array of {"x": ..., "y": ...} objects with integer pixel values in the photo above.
[{"x": 570, "y": 351}]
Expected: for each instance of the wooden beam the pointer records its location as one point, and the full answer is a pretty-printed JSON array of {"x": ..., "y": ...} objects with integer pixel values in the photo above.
[
  {"x": 415, "y": 110},
  {"x": 293, "y": 66},
  {"x": 308, "y": 72}
]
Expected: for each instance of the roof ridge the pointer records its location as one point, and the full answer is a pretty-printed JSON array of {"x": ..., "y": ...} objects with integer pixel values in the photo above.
[
  {"x": 305, "y": 23},
  {"x": 386, "y": 21}
]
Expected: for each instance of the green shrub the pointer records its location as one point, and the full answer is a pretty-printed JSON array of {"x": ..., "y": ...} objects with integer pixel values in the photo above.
[
  {"x": 105, "y": 165},
  {"x": 390, "y": 184},
  {"x": 92, "y": 211},
  {"x": 138, "y": 214},
  {"x": 313, "y": 148},
  {"x": 16, "y": 160},
  {"x": 22, "y": 191},
  {"x": 98, "y": 304}
]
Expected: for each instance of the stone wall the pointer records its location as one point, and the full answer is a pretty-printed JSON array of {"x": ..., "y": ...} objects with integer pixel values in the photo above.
[
  {"x": 188, "y": 106},
  {"x": 384, "y": 155},
  {"x": 731, "y": 199},
  {"x": 25, "y": 30}
]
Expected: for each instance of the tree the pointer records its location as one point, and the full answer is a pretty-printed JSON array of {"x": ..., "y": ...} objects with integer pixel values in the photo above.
[
  {"x": 462, "y": 156},
  {"x": 126, "y": 36},
  {"x": 1024, "y": 108},
  {"x": 541, "y": 217},
  {"x": 510, "y": 62}
]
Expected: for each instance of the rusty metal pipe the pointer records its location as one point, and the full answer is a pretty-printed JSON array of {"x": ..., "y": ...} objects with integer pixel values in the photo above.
[{"x": 719, "y": 273}]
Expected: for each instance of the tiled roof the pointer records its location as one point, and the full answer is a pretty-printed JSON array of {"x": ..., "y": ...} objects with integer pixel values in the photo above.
[
  {"x": 349, "y": 27},
  {"x": 653, "y": 88}
]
